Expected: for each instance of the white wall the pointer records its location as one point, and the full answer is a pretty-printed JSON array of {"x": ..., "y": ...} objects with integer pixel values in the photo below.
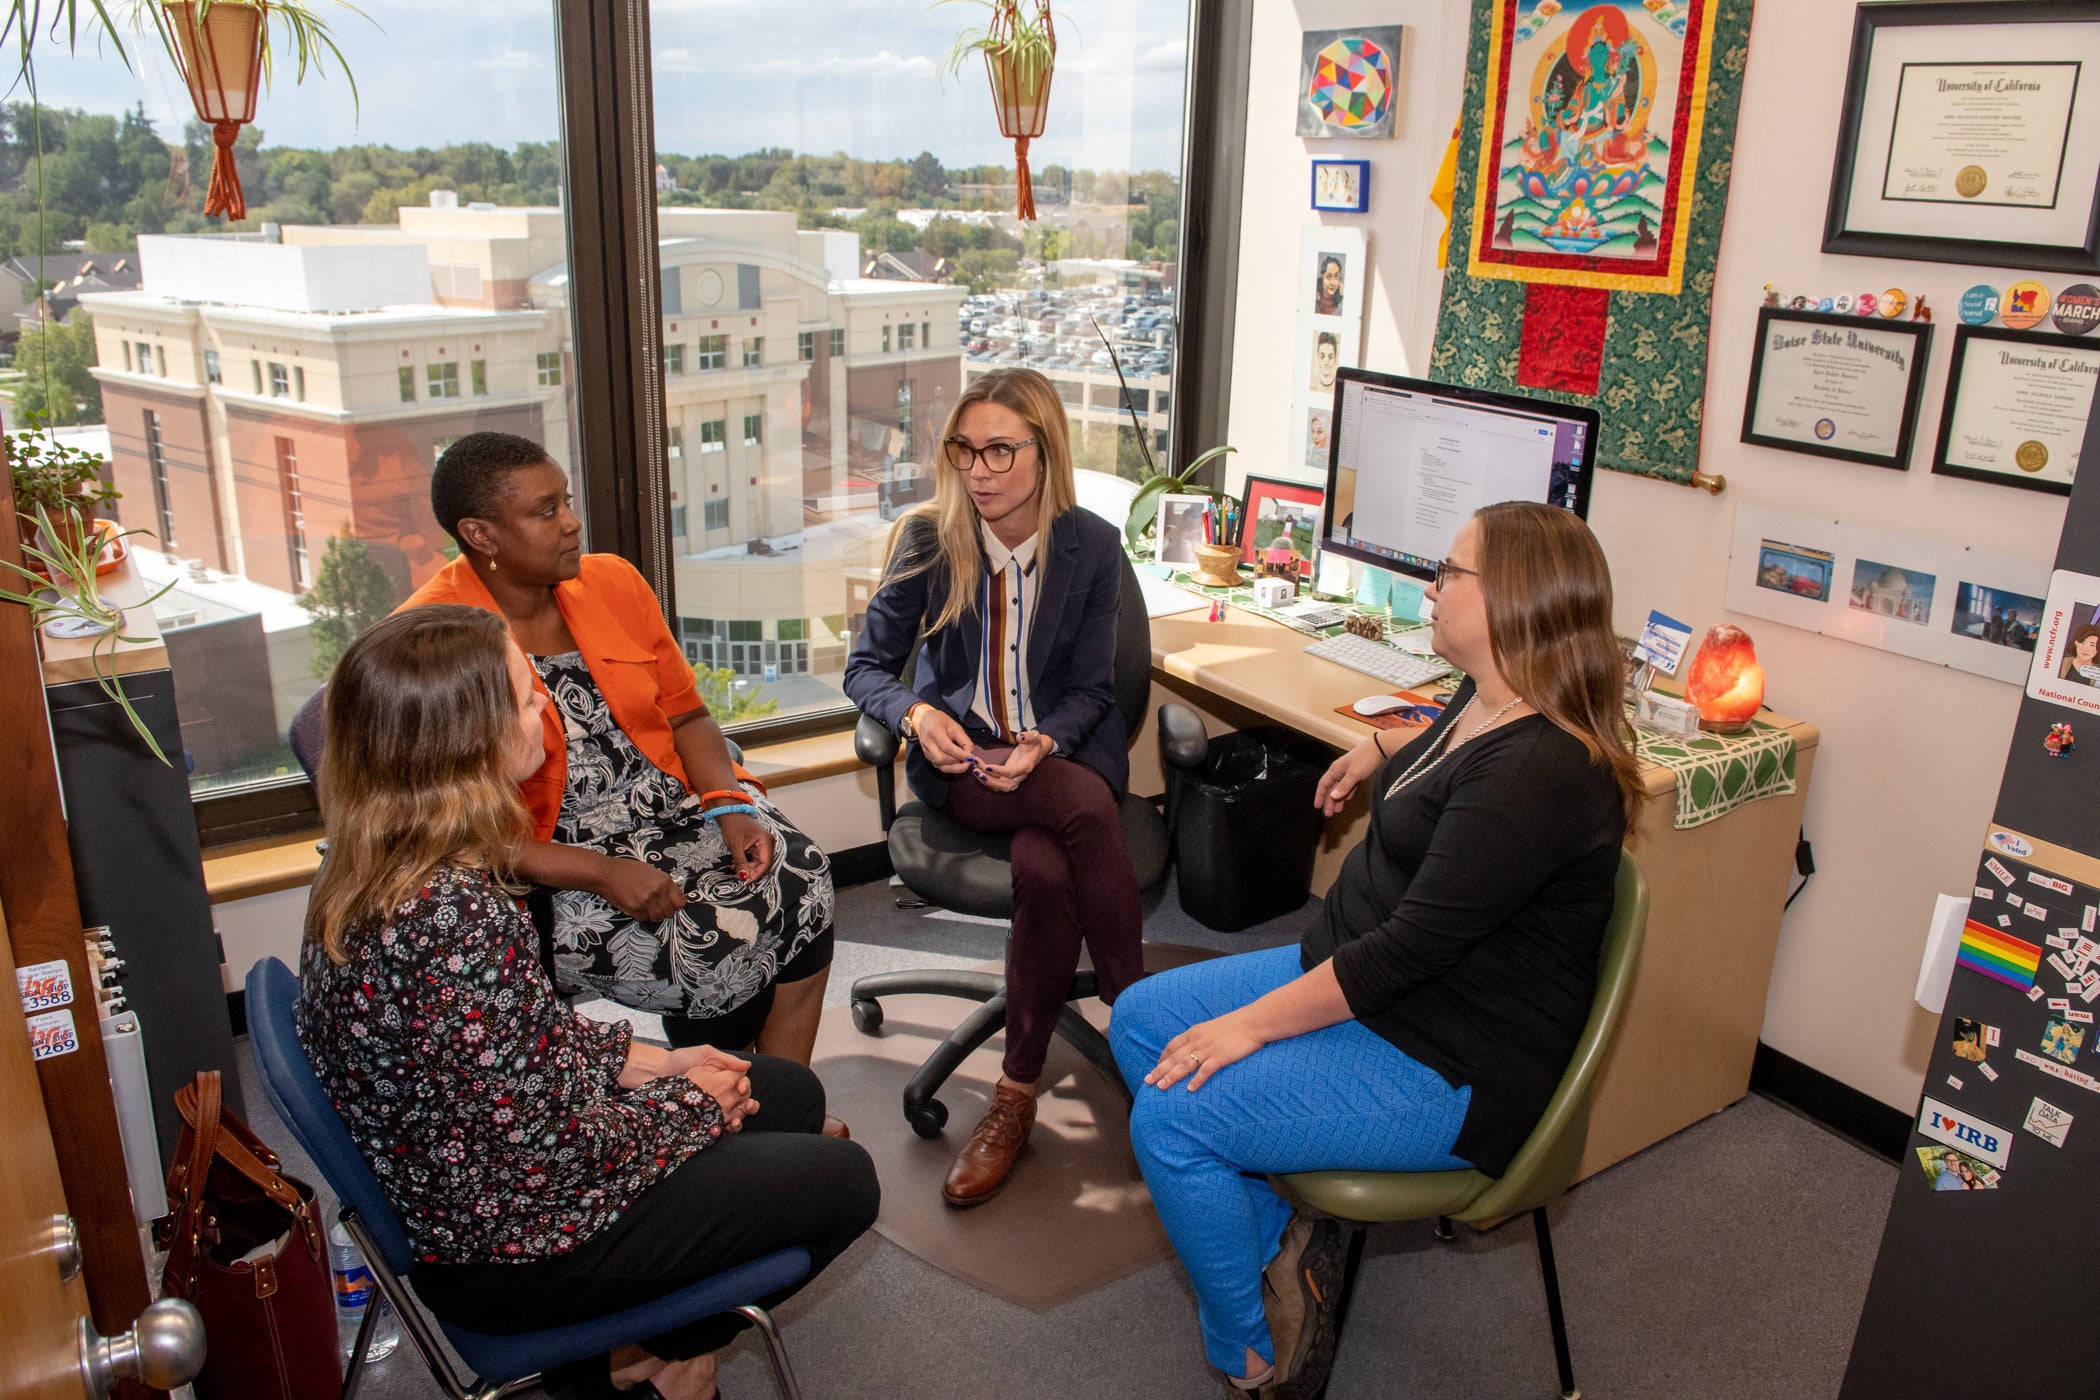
[{"x": 1911, "y": 753}]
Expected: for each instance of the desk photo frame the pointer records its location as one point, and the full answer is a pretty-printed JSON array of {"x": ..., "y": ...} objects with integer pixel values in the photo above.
[
  {"x": 1911, "y": 179},
  {"x": 1282, "y": 511}
]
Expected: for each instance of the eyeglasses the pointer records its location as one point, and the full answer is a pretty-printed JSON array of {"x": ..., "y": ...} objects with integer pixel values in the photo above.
[
  {"x": 1446, "y": 571},
  {"x": 997, "y": 456}
]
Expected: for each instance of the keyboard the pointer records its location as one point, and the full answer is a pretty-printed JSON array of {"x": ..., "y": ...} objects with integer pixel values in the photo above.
[{"x": 1389, "y": 664}]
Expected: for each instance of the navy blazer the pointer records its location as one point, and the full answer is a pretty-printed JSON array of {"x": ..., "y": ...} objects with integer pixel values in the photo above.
[{"x": 1071, "y": 650}]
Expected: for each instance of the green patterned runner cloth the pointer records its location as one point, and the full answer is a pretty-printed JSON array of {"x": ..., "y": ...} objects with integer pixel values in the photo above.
[{"x": 1717, "y": 773}]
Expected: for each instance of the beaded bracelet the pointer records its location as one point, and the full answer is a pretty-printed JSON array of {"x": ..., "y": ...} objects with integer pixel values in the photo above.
[{"x": 712, "y": 812}]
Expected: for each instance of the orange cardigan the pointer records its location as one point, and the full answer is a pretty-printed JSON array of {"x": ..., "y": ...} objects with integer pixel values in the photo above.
[{"x": 619, "y": 628}]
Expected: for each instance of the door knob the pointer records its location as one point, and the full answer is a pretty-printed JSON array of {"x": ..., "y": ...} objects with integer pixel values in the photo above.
[{"x": 164, "y": 1349}]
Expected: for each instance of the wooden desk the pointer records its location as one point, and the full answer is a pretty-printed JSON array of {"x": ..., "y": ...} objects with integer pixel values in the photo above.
[{"x": 1684, "y": 1048}]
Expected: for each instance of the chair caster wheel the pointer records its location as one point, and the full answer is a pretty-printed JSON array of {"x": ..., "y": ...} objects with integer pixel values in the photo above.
[
  {"x": 867, "y": 1017},
  {"x": 927, "y": 1122}
]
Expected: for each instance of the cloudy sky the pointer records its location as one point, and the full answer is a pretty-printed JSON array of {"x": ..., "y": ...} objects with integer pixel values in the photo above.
[{"x": 731, "y": 76}]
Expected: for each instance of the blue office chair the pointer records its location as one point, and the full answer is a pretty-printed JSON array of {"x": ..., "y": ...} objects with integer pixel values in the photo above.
[{"x": 504, "y": 1364}]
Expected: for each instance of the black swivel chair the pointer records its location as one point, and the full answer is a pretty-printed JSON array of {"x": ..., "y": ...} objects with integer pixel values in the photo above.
[{"x": 944, "y": 864}]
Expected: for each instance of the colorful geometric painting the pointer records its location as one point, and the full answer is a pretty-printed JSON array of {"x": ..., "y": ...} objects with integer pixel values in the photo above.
[{"x": 1347, "y": 78}]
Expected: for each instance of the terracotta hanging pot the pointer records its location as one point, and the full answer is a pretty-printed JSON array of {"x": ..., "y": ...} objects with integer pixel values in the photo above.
[
  {"x": 219, "y": 45},
  {"x": 1020, "y": 77}
]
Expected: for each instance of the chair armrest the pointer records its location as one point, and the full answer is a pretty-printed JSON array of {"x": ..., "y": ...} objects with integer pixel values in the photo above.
[
  {"x": 1183, "y": 742},
  {"x": 874, "y": 744}
]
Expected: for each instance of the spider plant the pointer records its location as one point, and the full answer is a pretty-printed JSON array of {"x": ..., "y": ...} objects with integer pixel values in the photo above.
[
  {"x": 1026, "y": 41},
  {"x": 1144, "y": 506},
  {"x": 309, "y": 42},
  {"x": 70, "y": 592}
]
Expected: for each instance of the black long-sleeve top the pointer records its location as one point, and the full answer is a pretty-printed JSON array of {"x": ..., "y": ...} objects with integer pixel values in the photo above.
[{"x": 1465, "y": 928}]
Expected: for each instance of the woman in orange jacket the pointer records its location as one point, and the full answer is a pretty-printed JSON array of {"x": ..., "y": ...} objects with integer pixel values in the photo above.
[{"x": 678, "y": 887}]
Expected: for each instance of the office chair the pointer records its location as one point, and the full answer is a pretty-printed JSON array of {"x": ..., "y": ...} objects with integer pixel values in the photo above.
[
  {"x": 945, "y": 864},
  {"x": 1544, "y": 1166},
  {"x": 504, "y": 1363}
]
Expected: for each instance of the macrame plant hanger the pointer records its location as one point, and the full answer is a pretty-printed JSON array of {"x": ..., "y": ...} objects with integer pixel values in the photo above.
[
  {"x": 219, "y": 46},
  {"x": 1020, "y": 92}
]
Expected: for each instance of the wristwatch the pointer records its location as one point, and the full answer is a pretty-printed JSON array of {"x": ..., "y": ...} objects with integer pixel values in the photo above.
[{"x": 905, "y": 726}]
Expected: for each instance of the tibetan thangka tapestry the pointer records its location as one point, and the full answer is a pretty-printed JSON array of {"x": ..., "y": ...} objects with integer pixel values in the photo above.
[{"x": 1596, "y": 145}]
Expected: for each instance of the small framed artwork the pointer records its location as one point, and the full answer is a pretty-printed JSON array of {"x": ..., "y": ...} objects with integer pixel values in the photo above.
[
  {"x": 2016, "y": 407},
  {"x": 1281, "y": 514},
  {"x": 1183, "y": 524},
  {"x": 1341, "y": 186},
  {"x": 1836, "y": 386},
  {"x": 1348, "y": 81},
  {"x": 1966, "y": 137}
]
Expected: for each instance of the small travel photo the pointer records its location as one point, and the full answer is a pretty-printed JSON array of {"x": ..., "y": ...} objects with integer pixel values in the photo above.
[
  {"x": 1972, "y": 1040},
  {"x": 2062, "y": 1039},
  {"x": 1994, "y": 615},
  {"x": 1181, "y": 529},
  {"x": 1948, "y": 1170},
  {"x": 2081, "y": 661},
  {"x": 1318, "y": 424},
  {"x": 1887, "y": 590},
  {"x": 1326, "y": 358},
  {"x": 1788, "y": 568},
  {"x": 1328, "y": 273}
]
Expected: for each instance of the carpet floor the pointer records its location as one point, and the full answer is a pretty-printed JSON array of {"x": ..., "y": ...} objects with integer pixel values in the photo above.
[{"x": 1726, "y": 1262}]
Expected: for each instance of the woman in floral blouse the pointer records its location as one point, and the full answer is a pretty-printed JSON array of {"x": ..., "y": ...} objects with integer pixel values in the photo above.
[{"x": 548, "y": 1169}]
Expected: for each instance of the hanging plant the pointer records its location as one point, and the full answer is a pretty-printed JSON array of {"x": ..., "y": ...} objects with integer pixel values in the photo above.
[{"x": 1020, "y": 56}]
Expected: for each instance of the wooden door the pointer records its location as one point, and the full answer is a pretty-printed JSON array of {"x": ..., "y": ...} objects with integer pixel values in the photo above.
[{"x": 40, "y": 1312}]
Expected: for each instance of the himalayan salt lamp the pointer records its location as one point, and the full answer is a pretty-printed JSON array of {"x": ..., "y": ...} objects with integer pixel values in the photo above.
[{"x": 1726, "y": 683}]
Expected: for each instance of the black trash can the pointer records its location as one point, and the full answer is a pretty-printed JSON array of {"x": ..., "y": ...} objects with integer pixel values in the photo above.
[{"x": 1245, "y": 828}]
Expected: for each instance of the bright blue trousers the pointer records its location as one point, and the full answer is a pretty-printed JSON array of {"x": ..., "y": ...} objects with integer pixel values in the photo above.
[{"x": 1342, "y": 1097}]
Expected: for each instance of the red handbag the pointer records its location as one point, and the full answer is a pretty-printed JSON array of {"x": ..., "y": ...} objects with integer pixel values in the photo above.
[{"x": 269, "y": 1320}]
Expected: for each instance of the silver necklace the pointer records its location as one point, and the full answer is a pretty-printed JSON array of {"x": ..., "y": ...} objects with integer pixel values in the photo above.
[{"x": 1425, "y": 763}]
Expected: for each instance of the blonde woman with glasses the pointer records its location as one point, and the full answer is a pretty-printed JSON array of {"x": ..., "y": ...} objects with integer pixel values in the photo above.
[{"x": 1011, "y": 714}]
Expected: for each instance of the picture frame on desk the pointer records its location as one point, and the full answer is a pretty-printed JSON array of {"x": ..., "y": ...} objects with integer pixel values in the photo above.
[
  {"x": 2016, "y": 407},
  {"x": 1961, "y": 139},
  {"x": 1281, "y": 512},
  {"x": 1846, "y": 387},
  {"x": 1341, "y": 186}
]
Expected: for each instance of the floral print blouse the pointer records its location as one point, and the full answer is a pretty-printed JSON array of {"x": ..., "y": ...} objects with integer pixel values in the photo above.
[{"x": 489, "y": 1111}]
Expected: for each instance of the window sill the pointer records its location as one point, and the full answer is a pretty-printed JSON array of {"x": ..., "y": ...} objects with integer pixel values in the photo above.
[{"x": 245, "y": 869}]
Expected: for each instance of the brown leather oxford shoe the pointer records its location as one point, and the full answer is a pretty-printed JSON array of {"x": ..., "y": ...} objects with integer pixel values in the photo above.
[{"x": 987, "y": 1159}]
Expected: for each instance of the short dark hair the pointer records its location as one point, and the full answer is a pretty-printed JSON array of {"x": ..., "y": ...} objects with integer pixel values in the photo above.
[
  {"x": 468, "y": 478},
  {"x": 1328, "y": 338}
]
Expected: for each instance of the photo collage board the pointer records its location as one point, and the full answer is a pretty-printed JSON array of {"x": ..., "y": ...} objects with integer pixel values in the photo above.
[{"x": 1970, "y": 609}]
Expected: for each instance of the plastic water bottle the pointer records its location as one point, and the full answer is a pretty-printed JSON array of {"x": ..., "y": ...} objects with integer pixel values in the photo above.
[{"x": 356, "y": 1290}]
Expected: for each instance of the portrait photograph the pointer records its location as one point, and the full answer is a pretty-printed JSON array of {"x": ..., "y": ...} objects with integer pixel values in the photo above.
[
  {"x": 1886, "y": 590},
  {"x": 1326, "y": 358},
  {"x": 1327, "y": 285},
  {"x": 1318, "y": 428}
]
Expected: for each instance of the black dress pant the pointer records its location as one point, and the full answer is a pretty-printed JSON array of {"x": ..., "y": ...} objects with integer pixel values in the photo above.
[{"x": 776, "y": 1183}]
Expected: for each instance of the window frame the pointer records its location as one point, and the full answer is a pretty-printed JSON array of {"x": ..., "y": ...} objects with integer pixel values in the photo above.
[{"x": 603, "y": 56}]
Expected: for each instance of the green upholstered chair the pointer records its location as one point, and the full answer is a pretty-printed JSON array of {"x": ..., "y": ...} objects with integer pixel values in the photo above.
[{"x": 1542, "y": 1169}]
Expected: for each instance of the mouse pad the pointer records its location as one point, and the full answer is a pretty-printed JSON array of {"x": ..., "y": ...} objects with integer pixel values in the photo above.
[{"x": 1419, "y": 713}]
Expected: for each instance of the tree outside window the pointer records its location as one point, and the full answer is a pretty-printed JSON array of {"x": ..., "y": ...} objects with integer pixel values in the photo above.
[{"x": 349, "y": 594}]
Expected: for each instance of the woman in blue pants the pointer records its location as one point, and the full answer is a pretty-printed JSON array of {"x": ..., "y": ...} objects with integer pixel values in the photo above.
[{"x": 1427, "y": 1015}]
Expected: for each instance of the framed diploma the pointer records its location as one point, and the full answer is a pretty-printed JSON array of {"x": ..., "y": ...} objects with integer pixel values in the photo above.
[
  {"x": 1837, "y": 386},
  {"x": 2016, "y": 407},
  {"x": 1971, "y": 134}
]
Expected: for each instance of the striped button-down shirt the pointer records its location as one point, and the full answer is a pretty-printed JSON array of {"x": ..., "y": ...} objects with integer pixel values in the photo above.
[{"x": 1006, "y": 600}]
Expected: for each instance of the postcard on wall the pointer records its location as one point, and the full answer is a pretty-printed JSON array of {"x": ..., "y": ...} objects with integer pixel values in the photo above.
[{"x": 2066, "y": 666}]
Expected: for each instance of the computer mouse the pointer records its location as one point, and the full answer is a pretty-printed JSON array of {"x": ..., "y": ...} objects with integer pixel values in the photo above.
[{"x": 1380, "y": 704}]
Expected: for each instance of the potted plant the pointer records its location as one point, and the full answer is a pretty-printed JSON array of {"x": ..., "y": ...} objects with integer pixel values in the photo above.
[
  {"x": 1020, "y": 56},
  {"x": 66, "y": 601},
  {"x": 58, "y": 488}
]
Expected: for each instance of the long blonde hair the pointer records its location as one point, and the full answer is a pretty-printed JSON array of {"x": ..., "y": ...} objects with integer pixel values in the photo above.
[
  {"x": 953, "y": 514},
  {"x": 1548, "y": 594},
  {"x": 420, "y": 716}
]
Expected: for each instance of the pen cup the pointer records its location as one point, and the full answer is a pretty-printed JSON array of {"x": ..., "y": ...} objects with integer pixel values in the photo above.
[{"x": 1217, "y": 565}]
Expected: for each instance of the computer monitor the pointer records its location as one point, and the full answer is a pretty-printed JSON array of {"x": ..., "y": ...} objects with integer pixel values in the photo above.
[{"x": 1408, "y": 461}]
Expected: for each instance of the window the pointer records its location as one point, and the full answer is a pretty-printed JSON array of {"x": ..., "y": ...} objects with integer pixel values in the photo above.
[
  {"x": 256, "y": 366},
  {"x": 793, "y": 629},
  {"x": 299, "y": 382},
  {"x": 408, "y": 383},
  {"x": 714, "y": 515},
  {"x": 548, "y": 365},
  {"x": 674, "y": 358},
  {"x": 885, "y": 340},
  {"x": 280, "y": 380},
  {"x": 294, "y": 513},
  {"x": 904, "y": 336},
  {"x": 754, "y": 428},
  {"x": 677, "y": 522},
  {"x": 673, "y": 297},
  {"x": 838, "y": 342},
  {"x": 805, "y": 346},
  {"x": 714, "y": 351},
  {"x": 754, "y": 351},
  {"x": 157, "y": 469},
  {"x": 714, "y": 435},
  {"x": 477, "y": 377},
  {"x": 442, "y": 379},
  {"x": 747, "y": 298},
  {"x": 145, "y": 358},
  {"x": 925, "y": 334},
  {"x": 677, "y": 447},
  {"x": 127, "y": 357},
  {"x": 211, "y": 367}
]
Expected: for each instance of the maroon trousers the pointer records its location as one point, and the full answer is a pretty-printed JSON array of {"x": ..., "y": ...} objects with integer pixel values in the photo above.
[{"x": 1073, "y": 885}]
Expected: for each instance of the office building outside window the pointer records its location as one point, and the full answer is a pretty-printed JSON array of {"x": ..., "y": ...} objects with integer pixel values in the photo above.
[
  {"x": 674, "y": 358},
  {"x": 805, "y": 346},
  {"x": 904, "y": 336},
  {"x": 157, "y": 472},
  {"x": 754, "y": 429},
  {"x": 714, "y": 351},
  {"x": 754, "y": 351},
  {"x": 408, "y": 383},
  {"x": 836, "y": 343},
  {"x": 211, "y": 367},
  {"x": 442, "y": 379},
  {"x": 294, "y": 513},
  {"x": 715, "y": 515},
  {"x": 478, "y": 377},
  {"x": 714, "y": 435},
  {"x": 677, "y": 522},
  {"x": 280, "y": 380},
  {"x": 547, "y": 369}
]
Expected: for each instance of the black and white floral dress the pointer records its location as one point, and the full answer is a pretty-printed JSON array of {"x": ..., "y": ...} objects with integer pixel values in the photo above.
[{"x": 732, "y": 937}]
